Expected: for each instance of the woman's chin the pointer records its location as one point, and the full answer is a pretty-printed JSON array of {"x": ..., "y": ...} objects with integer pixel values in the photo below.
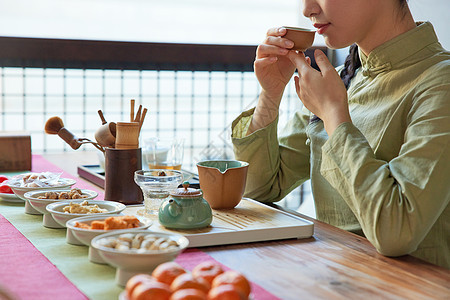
[{"x": 333, "y": 44}]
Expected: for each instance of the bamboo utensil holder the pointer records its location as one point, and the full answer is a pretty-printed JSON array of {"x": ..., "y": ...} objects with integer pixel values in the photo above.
[{"x": 127, "y": 135}]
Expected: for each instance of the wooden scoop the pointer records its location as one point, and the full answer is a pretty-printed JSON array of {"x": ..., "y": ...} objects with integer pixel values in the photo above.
[
  {"x": 55, "y": 125},
  {"x": 106, "y": 134}
]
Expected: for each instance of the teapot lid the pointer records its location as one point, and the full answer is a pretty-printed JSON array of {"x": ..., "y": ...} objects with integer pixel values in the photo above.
[{"x": 186, "y": 191}]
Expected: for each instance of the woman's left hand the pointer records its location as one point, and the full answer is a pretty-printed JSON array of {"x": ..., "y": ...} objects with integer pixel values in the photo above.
[{"x": 322, "y": 92}]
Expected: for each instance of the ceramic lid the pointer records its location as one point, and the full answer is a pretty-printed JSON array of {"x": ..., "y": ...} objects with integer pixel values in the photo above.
[{"x": 186, "y": 192}]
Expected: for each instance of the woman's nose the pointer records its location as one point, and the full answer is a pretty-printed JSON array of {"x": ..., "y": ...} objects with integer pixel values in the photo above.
[{"x": 310, "y": 8}]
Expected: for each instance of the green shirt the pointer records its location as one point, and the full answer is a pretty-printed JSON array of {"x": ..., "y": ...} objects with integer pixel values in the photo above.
[{"x": 388, "y": 172}]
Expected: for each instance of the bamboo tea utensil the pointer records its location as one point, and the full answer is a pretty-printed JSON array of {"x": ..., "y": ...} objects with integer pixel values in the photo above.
[
  {"x": 127, "y": 135},
  {"x": 106, "y": 134},
  {"x": 141, "y": 121},
  {"x": 55, "y": 125},
  {"x": 100, "y": 113},
  {"x": 132, "y": 110},
  {"x": 138, "y": 114}
]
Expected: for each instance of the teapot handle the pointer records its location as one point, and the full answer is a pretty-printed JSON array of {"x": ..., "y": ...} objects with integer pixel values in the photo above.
[{"x": 174, "y": 209}]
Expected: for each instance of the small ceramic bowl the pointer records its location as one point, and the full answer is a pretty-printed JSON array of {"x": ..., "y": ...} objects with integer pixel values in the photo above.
[
  {"x": 303, "y": 38},
  {"x": 40, "y": 204},
  {"x": 57, "y": 210},
  {"x": 63, "y": 183},
  {"x": 130, "y": 263},
  {"x": 85, "y": 236}
]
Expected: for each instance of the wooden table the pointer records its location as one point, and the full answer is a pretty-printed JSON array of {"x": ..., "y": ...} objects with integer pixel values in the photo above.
[{"x": 333, "y": 264}]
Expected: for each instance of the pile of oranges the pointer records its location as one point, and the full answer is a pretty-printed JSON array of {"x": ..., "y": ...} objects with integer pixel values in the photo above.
[{"x": 207, "y": 281}]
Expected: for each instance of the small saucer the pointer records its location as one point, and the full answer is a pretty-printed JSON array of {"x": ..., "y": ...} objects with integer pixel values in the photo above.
[{"x": 6, "y": 197}]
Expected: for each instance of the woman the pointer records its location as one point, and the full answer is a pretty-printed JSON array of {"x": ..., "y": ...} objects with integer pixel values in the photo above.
[{"x": 378, "y": 152}]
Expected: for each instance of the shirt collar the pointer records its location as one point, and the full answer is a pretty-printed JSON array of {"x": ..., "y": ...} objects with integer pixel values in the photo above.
[{"x": 394, "y": 52}]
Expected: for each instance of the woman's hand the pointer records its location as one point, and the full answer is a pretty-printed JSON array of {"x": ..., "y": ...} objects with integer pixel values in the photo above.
[
  {"x": 322, "y": 92},
  {"x": 273, "y": 69}
]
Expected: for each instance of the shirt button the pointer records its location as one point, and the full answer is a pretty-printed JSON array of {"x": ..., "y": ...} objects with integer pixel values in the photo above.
[{"x": 308, "y": 141}]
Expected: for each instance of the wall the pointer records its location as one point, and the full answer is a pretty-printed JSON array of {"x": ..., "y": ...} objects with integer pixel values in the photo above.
[
  {"x": 435, "y": 11},
  {"x": 180, "y": 21}
]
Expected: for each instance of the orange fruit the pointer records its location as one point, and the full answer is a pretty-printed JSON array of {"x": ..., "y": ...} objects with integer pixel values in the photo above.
[
  {"x": 188, "y": 294},
  {"x": 225, "y": 292},
  {"x": 188, "y": 281},
  {"x": 167, "y": 272},
  {"x": 234, "y": 278},
  {"x": 208, "y": 270},
  {"x": 134, "y": 281},
  {"x": 151, "y": 290}
]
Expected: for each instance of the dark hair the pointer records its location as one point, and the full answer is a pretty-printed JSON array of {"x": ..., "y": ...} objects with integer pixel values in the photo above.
[{"x": 352, "y": 63}]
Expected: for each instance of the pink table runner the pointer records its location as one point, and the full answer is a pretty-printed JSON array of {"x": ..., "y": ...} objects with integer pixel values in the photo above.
[
  {"x": 26, "y": 272},
  {"x": 38, "y": 278}
]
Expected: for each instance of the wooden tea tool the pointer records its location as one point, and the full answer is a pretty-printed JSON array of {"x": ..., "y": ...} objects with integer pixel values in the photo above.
[
  {"x": 141, "y": 121},
  {"x": 132, "y": 110},
  {"x": 55, "y": 125},
  {"x": 106, "y": 134},
  {"x": 127, "y": 135}
]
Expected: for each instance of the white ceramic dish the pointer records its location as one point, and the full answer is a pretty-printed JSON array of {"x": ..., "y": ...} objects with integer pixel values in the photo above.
[
  {"x": 63, "y": 183},
  {"x": 57, "y": 210},
  {"x": 130, "y": 263},
  {"x": 85, "y": 236},
  {"x": 10, "y": 198},
  {"x": 123, "y": 296},
  {"x": 40, "y": 204}
]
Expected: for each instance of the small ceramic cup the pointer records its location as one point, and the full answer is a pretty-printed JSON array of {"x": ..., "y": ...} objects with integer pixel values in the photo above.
[
  {"x": 303, "y": 38},
  {"x": 222, "y": 182}
]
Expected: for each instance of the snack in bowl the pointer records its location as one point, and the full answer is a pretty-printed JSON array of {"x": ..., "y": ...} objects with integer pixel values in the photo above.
[
  {"x": 208, "y": 270},
  {"x": 61, "y": 214},
  {"x": 41, "y": 198},
  {"x": 34, "y": 180},
  {"x": 74, "y": 193},
  {"x": 134, "y": 251},
  {"x": 82, "y": 230},
  {"x": 4, "y": 187},
  {"x": 83, "y": 208},
  {"x": 231, "y": 278},
  {"x": 167, "y": 272},
  {"x": 228, "y": 284},
  {"x": 27, "y": 182},
  {"x": 139, "y": 242},
  {"x": 111, "y": 223}
]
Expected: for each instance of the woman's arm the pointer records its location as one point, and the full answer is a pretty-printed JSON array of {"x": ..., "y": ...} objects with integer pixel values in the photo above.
[
  {"x": 278, "y": 164},
  {"x": 273, "y": 70}
]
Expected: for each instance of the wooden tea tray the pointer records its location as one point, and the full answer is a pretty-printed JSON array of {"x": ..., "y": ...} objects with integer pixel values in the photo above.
[{"x": 250, "y": 221}]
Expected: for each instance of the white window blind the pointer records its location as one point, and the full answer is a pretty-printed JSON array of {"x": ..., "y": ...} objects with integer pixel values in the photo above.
[{"x": 242, "y": 22}]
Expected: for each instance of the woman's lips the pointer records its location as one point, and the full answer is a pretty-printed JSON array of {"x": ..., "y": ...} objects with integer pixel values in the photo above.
[{"x": 321, "y": 27}]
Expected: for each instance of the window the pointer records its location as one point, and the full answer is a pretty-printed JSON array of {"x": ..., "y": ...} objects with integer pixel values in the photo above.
[{"x": 180, "y": 21}]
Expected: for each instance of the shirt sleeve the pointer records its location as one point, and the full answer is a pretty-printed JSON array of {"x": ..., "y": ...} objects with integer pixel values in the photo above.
[
  {"x": 397, "y": 201},
  {"x": 276, "y": 165}
]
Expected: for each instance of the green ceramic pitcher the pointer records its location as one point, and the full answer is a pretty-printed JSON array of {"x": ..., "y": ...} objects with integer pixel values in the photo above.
[{"x": 185, "y": 209}]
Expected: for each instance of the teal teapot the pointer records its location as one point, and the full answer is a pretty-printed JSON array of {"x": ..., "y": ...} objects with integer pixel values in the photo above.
[{"x": 185, "y": 209}]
